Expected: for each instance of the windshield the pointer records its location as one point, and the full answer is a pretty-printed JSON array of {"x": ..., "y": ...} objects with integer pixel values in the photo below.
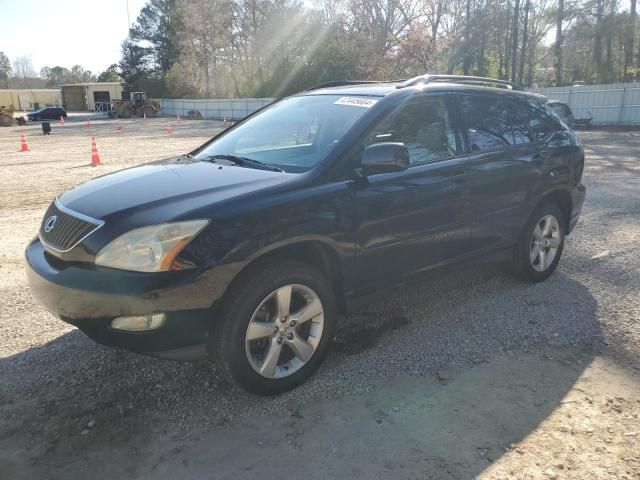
[{"x": 294, "y": 134}]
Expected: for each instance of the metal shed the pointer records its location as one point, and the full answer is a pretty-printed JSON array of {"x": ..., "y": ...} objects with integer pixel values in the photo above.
[
  {"x": 90, "y": 96},
  {"x": 30, "y": 99}
]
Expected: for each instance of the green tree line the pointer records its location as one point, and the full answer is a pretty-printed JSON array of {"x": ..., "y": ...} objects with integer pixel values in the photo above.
[
  {"x": 237, "y": 48},
  {"x": 252, "y": 48}
]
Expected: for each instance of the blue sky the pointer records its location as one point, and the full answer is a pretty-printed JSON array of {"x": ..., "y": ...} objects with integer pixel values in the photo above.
[{"x": 66, "y": 32}]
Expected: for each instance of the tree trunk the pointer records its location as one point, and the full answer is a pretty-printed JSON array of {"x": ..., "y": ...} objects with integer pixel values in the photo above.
[
  {"x": 609, "y": 70},
  {"x": 507, "y": 43},
  {"x": 514, "y": 40},
  {"x": 436, "y": 21},
  {"x": 558, "y": 45},
  {"x": 525, "y": 34},
  {"x": 597, "y": 40},
  {"x": 481, "y": 50},
  {"x": 628, "y": 42},
  {"x": 467, "y": 40}
]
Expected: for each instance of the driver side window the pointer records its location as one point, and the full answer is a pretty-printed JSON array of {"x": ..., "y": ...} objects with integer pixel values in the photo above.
[{"x": 423, "y": 125}]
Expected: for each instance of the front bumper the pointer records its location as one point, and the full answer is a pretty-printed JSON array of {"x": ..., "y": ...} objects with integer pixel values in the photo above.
[{"x": 90, "y": 297}]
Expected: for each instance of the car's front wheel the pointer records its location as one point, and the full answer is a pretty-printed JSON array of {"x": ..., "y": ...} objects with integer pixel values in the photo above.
[
  {"x": 275, "y": 327},
  {"x": 540, "y": 246}
]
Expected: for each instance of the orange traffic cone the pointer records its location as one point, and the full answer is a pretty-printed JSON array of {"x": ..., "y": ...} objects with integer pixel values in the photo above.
[
  {"x": 61, "y": 121},
  {"x": 89, "y": 123},
  {"x": 144, "y": 115},
  {"x": 119, "y": 127},
  {"x": 169, "y": 129},
  {"x": 24, "y": 147},
  {"x": 95, "y": 156},
  {"x": 178, "y": 117}
]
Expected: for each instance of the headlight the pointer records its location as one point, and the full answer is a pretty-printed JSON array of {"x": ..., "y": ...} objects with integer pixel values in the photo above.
[{"x": 149, "y": 249}]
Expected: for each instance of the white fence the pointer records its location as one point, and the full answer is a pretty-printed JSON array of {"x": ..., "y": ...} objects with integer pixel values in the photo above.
[
  {"x": 233, "y": 109},
  {"x": 613, "y": 104}
]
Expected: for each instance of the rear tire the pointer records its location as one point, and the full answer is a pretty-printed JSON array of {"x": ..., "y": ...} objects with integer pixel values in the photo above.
[
  {"x": 274, "y": 327},
  {"x": 540, "y": 246}
]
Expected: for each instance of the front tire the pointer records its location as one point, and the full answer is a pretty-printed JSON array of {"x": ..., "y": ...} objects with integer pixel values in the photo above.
[
  {"x": 274, "y": 327},
  {"x": 540, "y": 246}
]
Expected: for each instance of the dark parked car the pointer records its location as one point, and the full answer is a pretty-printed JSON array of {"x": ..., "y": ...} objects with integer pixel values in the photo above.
[
  {"x": 247, "y": 248},
  {"x": 563, "y": 112},
  {"x": 47, "y": 113}
]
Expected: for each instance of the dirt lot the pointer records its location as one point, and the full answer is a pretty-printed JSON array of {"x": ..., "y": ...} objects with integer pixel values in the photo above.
[{"x": 471, "y": 374}]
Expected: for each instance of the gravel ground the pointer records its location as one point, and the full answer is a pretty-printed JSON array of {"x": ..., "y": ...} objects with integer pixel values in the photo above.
[{"x": 60, "y": 392}]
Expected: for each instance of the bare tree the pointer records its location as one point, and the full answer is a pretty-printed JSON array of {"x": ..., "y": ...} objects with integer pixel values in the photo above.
[
  {"x": 23, "y": 68},
  {"x": 514, "y": 39},
  {"x": 5, "y": 70}
]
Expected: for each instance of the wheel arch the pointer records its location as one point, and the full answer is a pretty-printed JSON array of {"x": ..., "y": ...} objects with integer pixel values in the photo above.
[
  {"x": 312, "y": 252},
  {"x": 561, "y": 198}
]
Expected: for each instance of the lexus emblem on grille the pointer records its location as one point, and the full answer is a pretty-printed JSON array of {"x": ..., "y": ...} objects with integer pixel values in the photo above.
[{"x": 50, "y": 223}]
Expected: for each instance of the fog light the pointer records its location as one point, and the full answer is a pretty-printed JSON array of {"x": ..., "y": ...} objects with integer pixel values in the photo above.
[{"x": 138, "y": 323}]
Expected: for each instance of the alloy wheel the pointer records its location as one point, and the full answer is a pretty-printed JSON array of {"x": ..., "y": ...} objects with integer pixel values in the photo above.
[
  {"x": 545, "y": 242},
  {"x": 285, "y": 331}
]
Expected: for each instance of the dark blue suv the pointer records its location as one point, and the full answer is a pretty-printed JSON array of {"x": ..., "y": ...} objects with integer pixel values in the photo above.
[{"x": 247, "y": 248}]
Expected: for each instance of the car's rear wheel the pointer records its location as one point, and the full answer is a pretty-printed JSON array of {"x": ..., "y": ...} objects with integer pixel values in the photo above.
[
  {"x": 540, "y": 246},
  {"x": 275, "y": 327}
]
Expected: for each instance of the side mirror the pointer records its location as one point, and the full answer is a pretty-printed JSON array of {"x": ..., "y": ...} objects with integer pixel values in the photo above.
[{"x": 384, "y": 158}]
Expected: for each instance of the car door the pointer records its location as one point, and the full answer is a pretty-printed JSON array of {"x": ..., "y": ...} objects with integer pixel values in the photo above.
[
  {"x": 502, "y": 162},
  {"x": 414, "y": 219},
  {"x": 542, "y": 153}
]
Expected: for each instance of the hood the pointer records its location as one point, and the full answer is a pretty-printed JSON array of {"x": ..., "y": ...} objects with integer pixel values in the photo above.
[{"x": 176, "y": 180}]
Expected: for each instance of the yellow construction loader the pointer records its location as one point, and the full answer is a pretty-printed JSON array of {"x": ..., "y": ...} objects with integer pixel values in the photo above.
[
  {"x": 137, "y": 105},
  {"x": 6, "y": 116}
]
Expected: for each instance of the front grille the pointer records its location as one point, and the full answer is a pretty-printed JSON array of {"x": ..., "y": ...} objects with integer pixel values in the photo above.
[{"x": 66, "y": 228}]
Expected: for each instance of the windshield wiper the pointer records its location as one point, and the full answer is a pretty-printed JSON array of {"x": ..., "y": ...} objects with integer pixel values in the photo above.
[{"x": 244, "y": 162}]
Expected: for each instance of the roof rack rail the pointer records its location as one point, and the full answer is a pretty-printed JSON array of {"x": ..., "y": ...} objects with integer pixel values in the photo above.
[
  {"x": 341, "y": 83},
  {"x": 423, "y": 79}
]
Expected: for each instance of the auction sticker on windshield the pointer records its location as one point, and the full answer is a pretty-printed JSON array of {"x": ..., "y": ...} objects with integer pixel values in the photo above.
[{"x": 356, "y": 101}]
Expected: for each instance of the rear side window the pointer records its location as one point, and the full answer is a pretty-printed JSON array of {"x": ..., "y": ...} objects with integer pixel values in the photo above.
[
  {"x": 493, "y": 122},
  {"x": 520, "y": 122},
  {"x": 541, "y": 121}
]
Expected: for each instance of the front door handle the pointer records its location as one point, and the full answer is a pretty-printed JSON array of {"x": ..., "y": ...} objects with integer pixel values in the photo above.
[
  {"x": 539, "y": 157},
  {"x": 459, "y": 176}
]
